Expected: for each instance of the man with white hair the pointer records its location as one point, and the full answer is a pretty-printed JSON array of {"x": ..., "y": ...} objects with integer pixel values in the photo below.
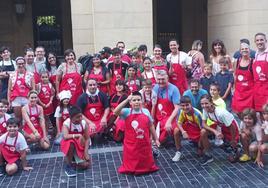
[{"x": 167, "y": 106}]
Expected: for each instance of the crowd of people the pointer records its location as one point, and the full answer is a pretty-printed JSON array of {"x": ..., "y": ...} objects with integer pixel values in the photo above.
[{"x": 143, "y": 101}]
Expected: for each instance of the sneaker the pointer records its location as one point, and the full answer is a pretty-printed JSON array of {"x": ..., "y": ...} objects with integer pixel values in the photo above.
[
  {"x": 58, "y": 140},
  {"x": 218, "y": 142},
  {"x": 244, "y": 158},
  {"x": 2, "y": 171},
  {"x": 155, "y": 151},
  {"x": 69, "y": 171},
  {"x": 234, "y": 155},
  {"x": 206, "y": 159},
  {"x": 177, "y": 157}
]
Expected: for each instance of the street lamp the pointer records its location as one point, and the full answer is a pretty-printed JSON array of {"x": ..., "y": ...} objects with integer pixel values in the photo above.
[{"x": 20, "y": 6}]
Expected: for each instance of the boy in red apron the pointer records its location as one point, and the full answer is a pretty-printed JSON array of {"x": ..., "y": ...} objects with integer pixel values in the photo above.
[
  {"x": 189, "y": 126},
  {"x": 149, "y": 97},
  {"x": 12, "y": 149},
  {"x": 75, "y": 143},
  {"x": 137, "y": 152},
  {"x": 3, "y": 116}
]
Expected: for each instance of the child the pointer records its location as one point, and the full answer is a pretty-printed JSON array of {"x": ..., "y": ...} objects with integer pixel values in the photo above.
[
  {"x": 133, "y": 83},
  {"x": 148, "y": 72},
  {"x": 149, "y": 97},
  {"x": 264, "y": 146},
  {"x": 189, "y": 125},
  {"x": 225, "y": 79},
  {"x": 46, "y": 94},
  {"x": 13, "y": 149},
  {"x": 115, "y": 100},
  {"x": 75, "y": 141},
  {"x": 3, "y": 116},
  {"x": 251, "y": 134},
  {"x": 34, "y": 122},
  {"x": 229, "y": 128},
  {"x": 208, "y": 78},
  {"x": 137, "y": 153},
  {"x": 62, "y": 113}
]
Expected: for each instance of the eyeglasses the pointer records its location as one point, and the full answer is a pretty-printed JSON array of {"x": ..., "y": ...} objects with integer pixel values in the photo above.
[{"x": 52, "y": 57}]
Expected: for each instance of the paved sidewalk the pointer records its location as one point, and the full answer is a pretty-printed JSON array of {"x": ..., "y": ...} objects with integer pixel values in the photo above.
[{"x": 49, "y": 172}]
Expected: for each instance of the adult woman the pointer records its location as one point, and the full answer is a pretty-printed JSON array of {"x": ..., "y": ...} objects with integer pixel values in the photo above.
[
  {"x": 19, "y": 85},
  {"x": 98, "y": 72},
  {"x": 34, "y": 122},
  {"x": 244, "y": 81},
  {"x": 198, "y": 59},
  {"x": 69, "y": 76},
  {"x": 218, "y": 51},
  {"x": 159, "y": 62},
  {"x": 52, "y": 65}
]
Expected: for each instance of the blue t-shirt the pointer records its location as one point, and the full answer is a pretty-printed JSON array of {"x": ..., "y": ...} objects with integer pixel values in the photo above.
[
  {"x": 195, "y": 99},
  {"x": 126, "y": 112},
  {"x": 205, "y": 82},
  {"x": 173, "y": 93},
  {"x": 223, "y": 80}
]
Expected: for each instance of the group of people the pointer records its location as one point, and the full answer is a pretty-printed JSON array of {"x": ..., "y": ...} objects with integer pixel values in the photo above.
[{"x": 139, "y": 100}]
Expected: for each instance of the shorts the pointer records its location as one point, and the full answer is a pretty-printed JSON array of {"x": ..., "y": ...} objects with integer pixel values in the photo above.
[{"x": 19, "y": 101}]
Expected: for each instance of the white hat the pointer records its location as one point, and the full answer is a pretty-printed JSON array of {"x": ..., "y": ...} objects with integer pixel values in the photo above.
[{"x": 65, "y": 94}]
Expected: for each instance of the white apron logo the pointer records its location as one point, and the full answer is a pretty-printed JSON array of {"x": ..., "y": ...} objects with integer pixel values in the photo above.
[
  {"x": 240, "y": 77},
  {"x": 135, "y": 124}
]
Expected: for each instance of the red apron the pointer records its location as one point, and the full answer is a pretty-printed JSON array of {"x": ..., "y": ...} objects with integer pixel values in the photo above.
[
  {"x": 137, "y": 149},
  {"x": 94, "y": 112},
  {"x": 152, "y": 79},
  {"x": 132, "y": 85},
  {"x": 44, "y": 96},
  {"x": 159, "y": 65},
  {"x": 225, "y": 130},
  {"x": 63, "y": 117},
  {"x": 36, "y": 75},
  {"x": 20, "y": 88},
  {"x": 147, "y": 103},
  {"x": 164, "y": 109},
  {"x": 3, "y": 126},
  {"x": 192, "y": 128},
  {"x": 52, "y": 79},
  {"x": 178, "y": 77},
  {"x": 116, "y": 75},
  {"x": 9, "y": 151},
  {"x": 260, "y": 73},
  {"x": 73, "y": 83},
  {"x": 119, "y": 123},
  {"x": 243, "y": 95},
  {"x": 99, "y": 78},
  {"x": 34, "y": 118},
  {"x": 79, "y": 148}
]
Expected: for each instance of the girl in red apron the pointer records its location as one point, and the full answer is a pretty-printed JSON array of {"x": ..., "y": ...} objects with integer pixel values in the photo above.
[
  {"x": 260, "y": 74},
  {"x": 99, "y": 73},
  {"x": 46, "y": 94},
  {"x": 34, "y": 122},
  {"x": 137, "y": 152},
  {"x": 3, "y": 117},
  {"x": 158, "y": 61},
  {"x": 164, "y": 108},
  {"x": 117, "y": 74},
  {"x": 244, "y": 82},
  {"x": 62, "y": 113},
  {"x": 71, "y": 81},
  {"x": 147, "y": 94},
  {"x": 19, "y": 85},
  {"x": 148, "y": 72},
  {"x": 116, "y": 99},
  {"x": 133, "y": 82},
  {"x": 225, "y": 126},
  {"x": 189, "y": 125},
  {"x": 13, "y": 149},
  {"x": 75, "y": 143}
]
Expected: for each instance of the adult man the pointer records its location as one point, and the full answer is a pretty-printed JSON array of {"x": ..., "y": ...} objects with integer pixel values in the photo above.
[
  {"x": 117, "y": 68},
  {"x": 195, "y": 93},
  {"x": 179, "y": 62},
  {"x": 36, "y": 65},
  {"x": 95, "y": 106},
  {"x": 260, "y": 72},
  {"x": 124, "y": 57},
  {"x": 6, "y": 65},
  {"x": 106, "y": 53},
  {"x": 167, "y": 106}
]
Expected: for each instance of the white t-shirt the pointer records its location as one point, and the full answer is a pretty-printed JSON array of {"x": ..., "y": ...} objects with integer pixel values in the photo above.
[
  {"x": 256, "y": 130},
  {"x": 185, "y": 60},
  {"x": 152, "y": 97},
  {"x": 221, "y": 115},
  {"x": 57, "y": 113},
  {"x": 21, "y": 142},
  {"x": 76, "y": 127},
  {"x": 261, "y": 55}
]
